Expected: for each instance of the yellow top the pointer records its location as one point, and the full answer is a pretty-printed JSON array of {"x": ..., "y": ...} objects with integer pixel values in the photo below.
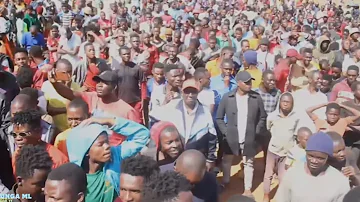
[
  {"x": 213, "y": 67},
  {"x": 257, "y": 75},
  {"x": 57, "y": 101}
]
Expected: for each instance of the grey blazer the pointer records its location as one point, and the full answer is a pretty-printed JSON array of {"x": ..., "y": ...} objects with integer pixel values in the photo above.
[{"x": 256, "y": 121}]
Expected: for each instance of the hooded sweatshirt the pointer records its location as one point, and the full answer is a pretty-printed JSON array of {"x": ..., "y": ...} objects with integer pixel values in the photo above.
[
  {"x": 283, "y": 130},
  {"x": 103, "y": 186},
  {"x": 324, "y": 55}
]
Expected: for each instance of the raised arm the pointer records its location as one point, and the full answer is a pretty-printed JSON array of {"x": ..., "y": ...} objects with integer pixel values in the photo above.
[
  {"x": 355, "y": 112},
  {"x": 62, "y": 89},
  {"x": 310, "y": 110}
]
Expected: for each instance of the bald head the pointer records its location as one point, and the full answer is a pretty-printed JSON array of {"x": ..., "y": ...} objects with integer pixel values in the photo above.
[
  {"x": 192, "y": 164},
  {"x": 21, "y": 103}
]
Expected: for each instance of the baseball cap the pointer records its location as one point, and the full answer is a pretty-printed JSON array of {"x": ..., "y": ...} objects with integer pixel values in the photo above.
[
  {"x": 190, "y": 83},
  {"x": 250, "y": 57},
  {"x": 293, "y": 53},
  {"x": 243, "y": 76},
  {"x": 109, "y": 76}
]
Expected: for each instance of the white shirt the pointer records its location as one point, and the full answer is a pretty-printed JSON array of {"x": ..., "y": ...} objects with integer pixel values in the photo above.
[
  {"x": 189, "y": 120},
  {"x": 206, "y": 97},
  {"x": 265, "y": 59},
  {"x": 347, "y": 63},
  {"x": 70, "y": 44},
  {"x": 303, "y": 100},
  {"x": 242, "y": 115}
]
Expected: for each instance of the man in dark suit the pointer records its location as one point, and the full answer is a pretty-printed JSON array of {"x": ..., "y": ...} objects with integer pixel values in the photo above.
[{"x": 245, "y": 118}]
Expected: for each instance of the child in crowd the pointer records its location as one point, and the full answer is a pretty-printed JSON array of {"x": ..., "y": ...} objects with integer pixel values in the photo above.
[{"x": 297, "y": 153}]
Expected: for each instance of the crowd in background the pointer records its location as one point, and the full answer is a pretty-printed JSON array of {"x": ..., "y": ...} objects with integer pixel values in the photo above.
[{"x": 151, "y": 101}]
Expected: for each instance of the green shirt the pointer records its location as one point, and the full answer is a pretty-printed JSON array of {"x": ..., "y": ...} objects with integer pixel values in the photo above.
[{"x": 98, "y": 189}]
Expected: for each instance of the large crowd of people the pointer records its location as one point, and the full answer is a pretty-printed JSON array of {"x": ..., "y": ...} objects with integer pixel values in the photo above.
[{"x": 151, "y": 100}]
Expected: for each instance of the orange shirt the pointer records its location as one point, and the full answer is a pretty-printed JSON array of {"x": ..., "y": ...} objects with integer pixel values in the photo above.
[
  {"x": 339, "y": 127},
  {"x": 56, "y": 155}
]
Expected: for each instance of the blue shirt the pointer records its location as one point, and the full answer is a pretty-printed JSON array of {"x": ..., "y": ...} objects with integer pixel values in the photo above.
[
  {"x": 29, "y": 40},
  {"x": 218, "y": 86}
]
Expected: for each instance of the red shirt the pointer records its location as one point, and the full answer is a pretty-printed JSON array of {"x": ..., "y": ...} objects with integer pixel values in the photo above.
[
  {"x": 56, "y": 155},
  {"x": 341, "y": 91},
  {"x": 53, "y": 42},
  {"x": 127, "y": 112},
  {"x": 282, "y": 71},
  {"x": 105, "y": 23},
  {"x": 154, "y": 56},
  {"x": 93, "y": 70}
]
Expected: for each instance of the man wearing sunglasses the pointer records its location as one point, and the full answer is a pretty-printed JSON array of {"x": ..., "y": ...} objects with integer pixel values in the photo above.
[{"x": 27, "y": 131}]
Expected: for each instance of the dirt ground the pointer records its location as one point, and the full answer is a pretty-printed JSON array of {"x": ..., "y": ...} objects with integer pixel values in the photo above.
[{"x": 237, "y": 182}]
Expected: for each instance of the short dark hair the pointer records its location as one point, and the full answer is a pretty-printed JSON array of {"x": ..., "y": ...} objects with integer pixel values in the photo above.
[
  {"x": 308, "y": 50},
  {"x": 63, "y": 61},
  {"x": 31, "y": 117},
  {"x": 166, "y": 187},
  {"x": 79, "y": 103},
  {"x": 72, "y": 173},
  {"x": 36, "y": 52},
  {"x": 328, "y": 78},
  {"x": 159, "y": 65},
  {"x": 354, "y": 85},
  {"x": 199, "y": 73},
  {"x": 24, "y": 77},
  {"x": 169, "y": 67},
  {"x": 337, "y": 65},
  {"x": 267, "y": 72},
  {"x": 336, "y": 137},
  {"x": 333, "y": 106},
  {"x": 30, "y": 158},
  {"x": 32, "y": 93},
  {"x": 353, "y": 67},
  {"x": 139, "y": 165},
  {"x": 20, "y": 50}
]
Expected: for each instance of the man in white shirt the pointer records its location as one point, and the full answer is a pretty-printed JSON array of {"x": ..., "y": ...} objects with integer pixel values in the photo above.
[
  {"x": 266, "y": 60},
  {"x": 206, "y": 96},
  {"x": 69, "y": 46},
  {"x": 315, "y": 180},
  {"x": 309, "y": 97}
]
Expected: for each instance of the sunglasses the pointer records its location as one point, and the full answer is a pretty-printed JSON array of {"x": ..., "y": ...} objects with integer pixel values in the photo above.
[{"x": 22, "y": 134}]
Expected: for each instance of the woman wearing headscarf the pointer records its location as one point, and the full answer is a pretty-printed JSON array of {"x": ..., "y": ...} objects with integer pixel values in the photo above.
[
  {"x": 165, "y": 145},
  {"x": 88, "y": 147}
]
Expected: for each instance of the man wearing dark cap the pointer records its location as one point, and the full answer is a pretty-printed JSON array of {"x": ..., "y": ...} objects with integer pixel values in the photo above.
[
  {"x": 265, "y": 59},
  {"x": 103, "y": 102},
  {"x": 282, "y": 70},
  {"x": 246, "y": 118},
  {"x": 314, "y": 180}
]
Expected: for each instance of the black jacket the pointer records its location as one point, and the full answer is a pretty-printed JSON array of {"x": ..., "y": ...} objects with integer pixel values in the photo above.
[{"x": 256, "y": 121}]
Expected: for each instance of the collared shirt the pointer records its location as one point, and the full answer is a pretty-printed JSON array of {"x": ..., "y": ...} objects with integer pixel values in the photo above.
[
  {"x": 242, "y": 115},
  {"x": 189, "y": 120},
  {"x": 29, "y": 40},
  {"x": 218, "y": 86},
  {"x": 270, "y": 99}
]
